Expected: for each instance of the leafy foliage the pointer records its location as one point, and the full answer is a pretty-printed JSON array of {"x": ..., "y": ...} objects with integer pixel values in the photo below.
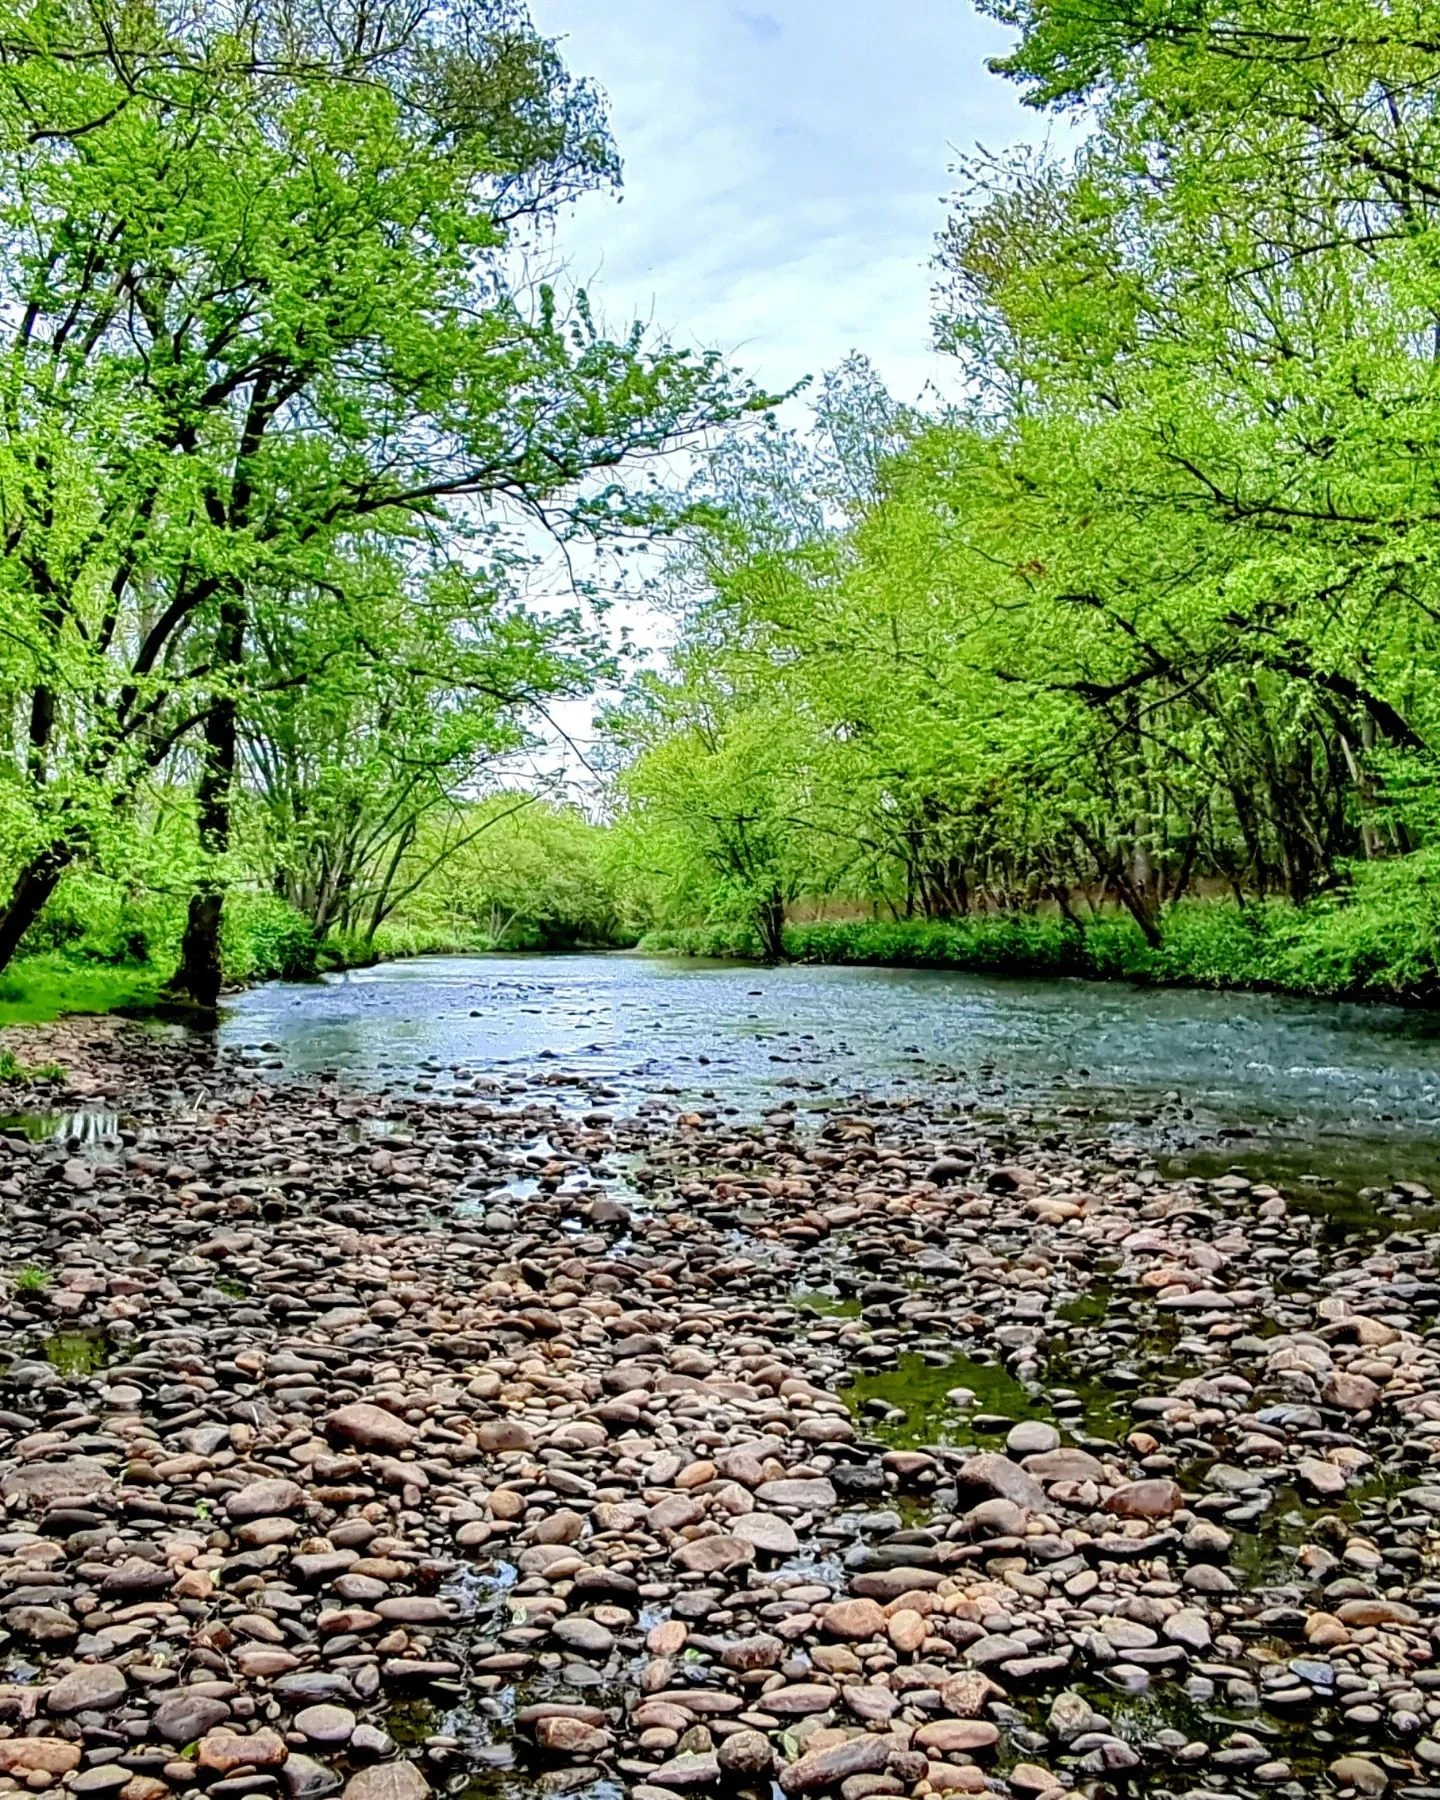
[
  {"x": 1152, "y": 618},
  {"x": 276, "y": 374}
]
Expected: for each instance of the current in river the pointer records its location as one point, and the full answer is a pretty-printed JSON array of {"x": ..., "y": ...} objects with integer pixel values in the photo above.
[{"x": 1338, "y": 1094}]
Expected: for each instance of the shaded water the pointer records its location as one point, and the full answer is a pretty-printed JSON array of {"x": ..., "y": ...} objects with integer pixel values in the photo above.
[{"x": 1347, "y": 1093}]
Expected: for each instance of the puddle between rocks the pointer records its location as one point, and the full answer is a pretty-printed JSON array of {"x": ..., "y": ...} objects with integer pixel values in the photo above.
[
  {"x": 76, "y": 1354},
  {"x": 826, "y": 1302},
  {"x": 919, "y": 1403},
  {"x": 82, "y": 1129}
]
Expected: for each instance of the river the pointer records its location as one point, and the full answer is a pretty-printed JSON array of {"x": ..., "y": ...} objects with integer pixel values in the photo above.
[{"x": 1342, "y": 1094}]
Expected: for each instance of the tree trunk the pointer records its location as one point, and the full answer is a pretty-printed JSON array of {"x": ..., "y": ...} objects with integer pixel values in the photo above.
[
  {"x": 32, "y": 889},
  {"x": 1130, "y": 897},
  {"x": 770, "y": 921},
  {"x": 199, "y": 975}
]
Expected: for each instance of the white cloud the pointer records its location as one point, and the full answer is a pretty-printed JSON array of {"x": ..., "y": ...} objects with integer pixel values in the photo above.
[
  {"x": 785, "y": 163},
  {"x": 783, "y": 170}
]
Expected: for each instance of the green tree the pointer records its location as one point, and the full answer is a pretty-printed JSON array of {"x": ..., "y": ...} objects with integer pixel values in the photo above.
[{"x": 255, "y": 260}]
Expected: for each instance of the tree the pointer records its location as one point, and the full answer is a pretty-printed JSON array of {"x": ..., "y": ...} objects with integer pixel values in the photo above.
[
  {"x": 416, "y": 691},
  {"x": 255, "y": 256}
]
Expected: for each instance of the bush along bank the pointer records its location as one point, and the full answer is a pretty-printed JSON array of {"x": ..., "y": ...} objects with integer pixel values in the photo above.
[{"x": 1336, "y": 948}]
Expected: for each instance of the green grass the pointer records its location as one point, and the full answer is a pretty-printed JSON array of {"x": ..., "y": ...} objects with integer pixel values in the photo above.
[
  {"x": 37, "y": 989},
  {"x": 31, "y": 1280},
  {"x": 738, "y": 941},
  {"x": 351, "y": 951}
]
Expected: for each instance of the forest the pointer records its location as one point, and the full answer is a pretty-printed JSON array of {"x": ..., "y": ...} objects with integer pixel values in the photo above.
[{"x": 1122, "y": 664}]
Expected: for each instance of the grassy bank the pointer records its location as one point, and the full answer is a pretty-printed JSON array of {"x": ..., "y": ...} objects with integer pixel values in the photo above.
[
  {"x": 36, "y": 989},
  {"x": 1350, "y": 947},
  {"x": 99, "y": 950}
]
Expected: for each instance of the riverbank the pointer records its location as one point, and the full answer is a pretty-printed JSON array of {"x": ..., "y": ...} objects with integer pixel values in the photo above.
[
  {"x": 1333, "y": 949},
  {"x": 402, "y": 1442},
  {"x": 42, "y": 988}
]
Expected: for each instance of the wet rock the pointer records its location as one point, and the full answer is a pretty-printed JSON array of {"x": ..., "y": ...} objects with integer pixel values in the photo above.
[
  {"x": 1156, "y": 1499},
  {"x": 306, "y": 1779},
  {"x": 693, "y": 1770},
  {"x": 1032, "y": 1437},
  {"x": 42, "y": 1755},
  {"x": 947, "y": 1737},
  {"x": 42, "y": 1624},
  {"x": 387, "y": 1781},
  {"x": 1359, "y": 1774},
  {"x": 1189, "y": 1628},
  {"x": 1350, "y": 1392},
  {"x": 828, "y": 1768},
  {"x": 584, "y": 1635},
  {"x": 183, "y": 1717},
  {"x": 264, "y": 1499},
  {"x": 713, "y": 1555},
  {"x": 745, "y": 1754},
  {"x": 855, "y": 1619},
  {"x": 223, "y": 1752},
  {"x": 997, "y": 1475},
  {"x": 326, "y": 1724},
  {"x": 813, "y": 1495},
  {"x": 571, "y": 1737},
  {"x": 770, "y": 1534}
]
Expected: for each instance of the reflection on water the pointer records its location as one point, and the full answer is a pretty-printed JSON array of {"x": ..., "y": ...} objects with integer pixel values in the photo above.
[
  {"x": 80, "y": 1128},
  {"x": 1331, "y": 1087}
]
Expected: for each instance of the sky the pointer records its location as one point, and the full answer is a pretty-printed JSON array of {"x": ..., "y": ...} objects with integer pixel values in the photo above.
[
  {"x": 785, "y": 163},
  {"x": 785, "y": 167}
]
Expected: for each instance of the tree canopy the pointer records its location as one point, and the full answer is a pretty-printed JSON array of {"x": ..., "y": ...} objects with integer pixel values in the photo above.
[
  {"x": 1152, "y": 612},
  {"x": 273, "y": 369}
]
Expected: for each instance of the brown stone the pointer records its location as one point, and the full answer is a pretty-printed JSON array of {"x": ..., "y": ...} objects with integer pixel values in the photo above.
[
  {"x": 571, "y": 1737},
  {"x": 995, "y": 1474},
  {"x": 54, "y": 1756},
  {"x": 93, "y": 1687},
  {"x": 1351, "y": 1393},
  {"x": 1155, "y": 1499},
  {"x": 387, "y": 1781},
  {"x": 503, "y": 1434},
  {"x": 370, "y": 1428},
  {"x": 855, "y": 1620},
  {"x": 224, "y": 1751},
  {"x": 828, "y": 1768},
  {"x": 713, "y": 1555},
  {"x": 263, "y": 1499},
  {"x": 953, "y": 1736}
]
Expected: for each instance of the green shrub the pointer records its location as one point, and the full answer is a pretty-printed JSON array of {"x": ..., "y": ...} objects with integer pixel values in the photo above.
[
  {"x": 92, "y": 919},
  {"x": 1377, "y": 939},
  {"x": 740, "y": 942},
  {"x": 263, "y": 938},
  {"x": 1010, "y": 943}
]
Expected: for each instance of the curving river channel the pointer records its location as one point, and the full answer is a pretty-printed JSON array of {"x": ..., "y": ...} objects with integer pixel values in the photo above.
[{"x": 1334, "y": 1095}]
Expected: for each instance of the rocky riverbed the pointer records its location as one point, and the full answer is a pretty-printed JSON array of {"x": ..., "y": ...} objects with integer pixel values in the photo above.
[{"x": 506, "y": 1444}]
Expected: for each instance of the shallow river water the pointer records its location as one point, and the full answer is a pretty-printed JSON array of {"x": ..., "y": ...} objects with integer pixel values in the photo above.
[{"x": 1345, "y": 1093}]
